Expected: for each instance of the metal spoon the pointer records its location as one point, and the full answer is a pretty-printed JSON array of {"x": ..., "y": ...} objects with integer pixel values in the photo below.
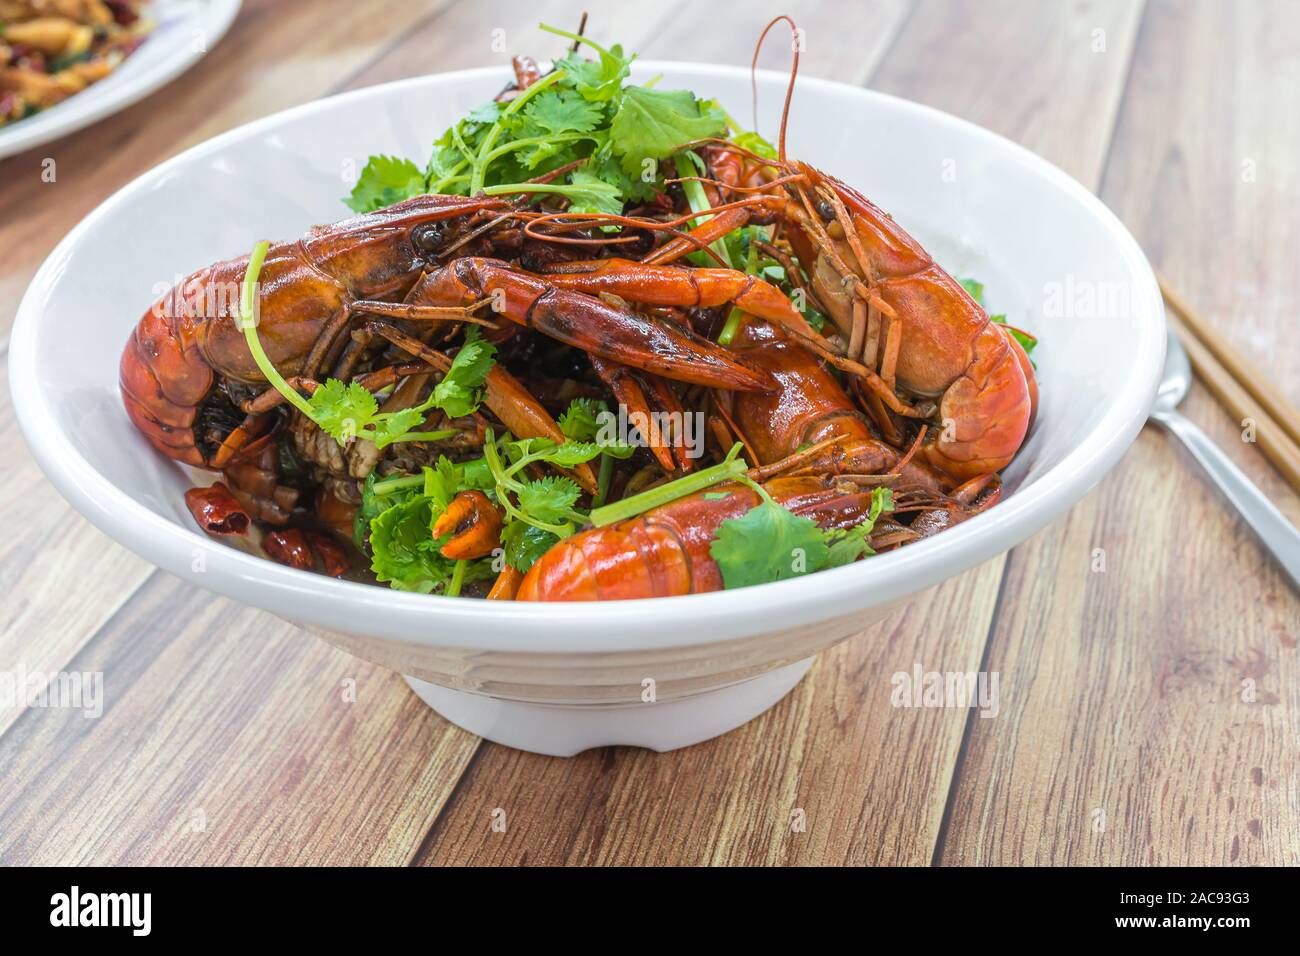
[{"x": 1278, "y": 534}]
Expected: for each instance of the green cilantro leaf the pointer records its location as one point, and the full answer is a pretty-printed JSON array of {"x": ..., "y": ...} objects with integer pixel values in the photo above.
[
  {"x": 458, "y": 392},
  {"x": 755, "y": 144},
  {"x": 564, "y": 111},
  {"x": 655, "y": 123},
  {"x": 342, "y": 411},
  {"x": 403, "y": 551},
  {"x": 768, "y": 543},
  {"x": 373, "y": 504},
  {"x": 1027, "y": 342},
  {"x": 384, "y": 181},
  {"x": 599, "y": 80},
  {"x": 571, "y": 453},
  {"x": 443, "y": 480},
  {"x": 588, "y": 192},
  {"x": 392, "y": 426},
  {"x": 584, "y": 420},
  {"x": 847, "y": 546},
  {"x": 634, "y": 188},
  {"x": 486, "y": 113},
  {"x": 549, "y": 499},
  {"x": 543, "y": 449},
  {"x": 524, "y": 544},
  {"x": 579, "y": 419}
]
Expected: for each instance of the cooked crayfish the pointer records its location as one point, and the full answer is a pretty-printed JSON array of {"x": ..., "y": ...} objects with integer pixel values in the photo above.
[
  {"x": 189, "y": 349},
  {"x": 910, "y": 385}
]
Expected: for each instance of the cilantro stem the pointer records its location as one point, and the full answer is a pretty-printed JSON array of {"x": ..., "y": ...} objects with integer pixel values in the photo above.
[
  {"x": 389, "y": 485},
  {"x": 457, "y": 579},
  {"x": 505, "y": 484},
  {"x": 577, "y": 38},
  {"x": 602, "y": 480},
  {"x": 732, "y": 325},
  {"x": 558, "y": 188},
  {"x": 453, "y": 176},
  {"x": 688, "y": 164},
  {"x": 441, "y": 435},
  {"x": 728, "y": 470},
  {"x": 536, "y": 140},
  {"x": 248, "y": 322},
  {"x": 480, "y": 162}
]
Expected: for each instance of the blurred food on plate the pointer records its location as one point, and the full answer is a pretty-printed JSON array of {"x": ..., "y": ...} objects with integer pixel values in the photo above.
[{"x": 53, "y": 49}]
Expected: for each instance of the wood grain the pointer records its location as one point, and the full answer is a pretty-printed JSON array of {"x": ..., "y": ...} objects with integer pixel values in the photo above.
[
  {"x": 871, "y": 780},
  {"x": 62, "y": 578},
  {"x": 1152, "y": 706},
  {"x": 227, "y": 736}
]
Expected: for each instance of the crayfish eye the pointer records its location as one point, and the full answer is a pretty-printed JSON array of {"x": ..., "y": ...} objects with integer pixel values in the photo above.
[
  {"x": 825, "y": 210},
  {"x": 428, "y": 237}
]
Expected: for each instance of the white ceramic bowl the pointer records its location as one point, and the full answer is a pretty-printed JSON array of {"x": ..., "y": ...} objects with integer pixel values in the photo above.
[
  {"x": 184, "y": 31},
  {"x": 562, "y": 677}
]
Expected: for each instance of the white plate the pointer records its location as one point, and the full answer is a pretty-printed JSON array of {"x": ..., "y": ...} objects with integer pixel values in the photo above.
[
  {"x": 185, "y": 30},
  {"x": 1050, "y": 254}
]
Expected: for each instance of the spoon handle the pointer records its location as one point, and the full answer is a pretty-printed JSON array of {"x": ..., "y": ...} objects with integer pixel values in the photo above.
[{"x": 1277, "y": 533}]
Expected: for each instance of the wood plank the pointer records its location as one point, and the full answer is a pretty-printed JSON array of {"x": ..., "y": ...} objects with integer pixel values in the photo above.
[
  {"x": 62, "y": 578},
  {"x": 842, "y": 40},
  {"x": 1028, "y": 71},
  {"x": 871, "y": 780},
  {"x": 466, "y": 35},
  {"x": 1151, "y": 709},
  {"x": 227, "y": 736}
]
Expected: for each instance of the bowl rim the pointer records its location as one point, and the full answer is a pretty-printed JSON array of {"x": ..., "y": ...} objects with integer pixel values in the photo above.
[{"x": 593, "y": 627}]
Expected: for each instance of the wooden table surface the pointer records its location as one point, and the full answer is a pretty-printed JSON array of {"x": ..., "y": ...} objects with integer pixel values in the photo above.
[{"x": 1150, "y": 711}]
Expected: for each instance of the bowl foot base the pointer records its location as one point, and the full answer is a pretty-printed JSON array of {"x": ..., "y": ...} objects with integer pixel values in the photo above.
[{"x": 562, "y": 730}]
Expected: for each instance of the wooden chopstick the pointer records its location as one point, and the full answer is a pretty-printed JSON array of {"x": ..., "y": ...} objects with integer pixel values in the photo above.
[
  {"x": 1237, "y": 365},
  {"x": 1275, "y": 441}
]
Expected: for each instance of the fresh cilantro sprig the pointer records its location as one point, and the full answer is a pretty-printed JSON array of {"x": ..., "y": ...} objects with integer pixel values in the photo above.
[
  {"x": 847, "y": 545},
  {"x": 545, "y": 503},
  {"x": 404, "y": 553},
  {"x": 583, "y": 112},
  {"x": 346, "y": 411},
  {"x": 654, "y": 124},
  {"x": 394, "y": 522},
  {"x": 770, "y": 543},
  {"x": 349, "y": 411},
  {"x": 539, "y": 512},
  {"x": 581, "y": 420},
  {"x": 386, "y": 180},
  {"x": 767, "y": 543},
  {"x": 394, "y": 526}
]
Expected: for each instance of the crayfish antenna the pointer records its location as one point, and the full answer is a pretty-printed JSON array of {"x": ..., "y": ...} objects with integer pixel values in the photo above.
[{"x": 794, "y": 72}]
